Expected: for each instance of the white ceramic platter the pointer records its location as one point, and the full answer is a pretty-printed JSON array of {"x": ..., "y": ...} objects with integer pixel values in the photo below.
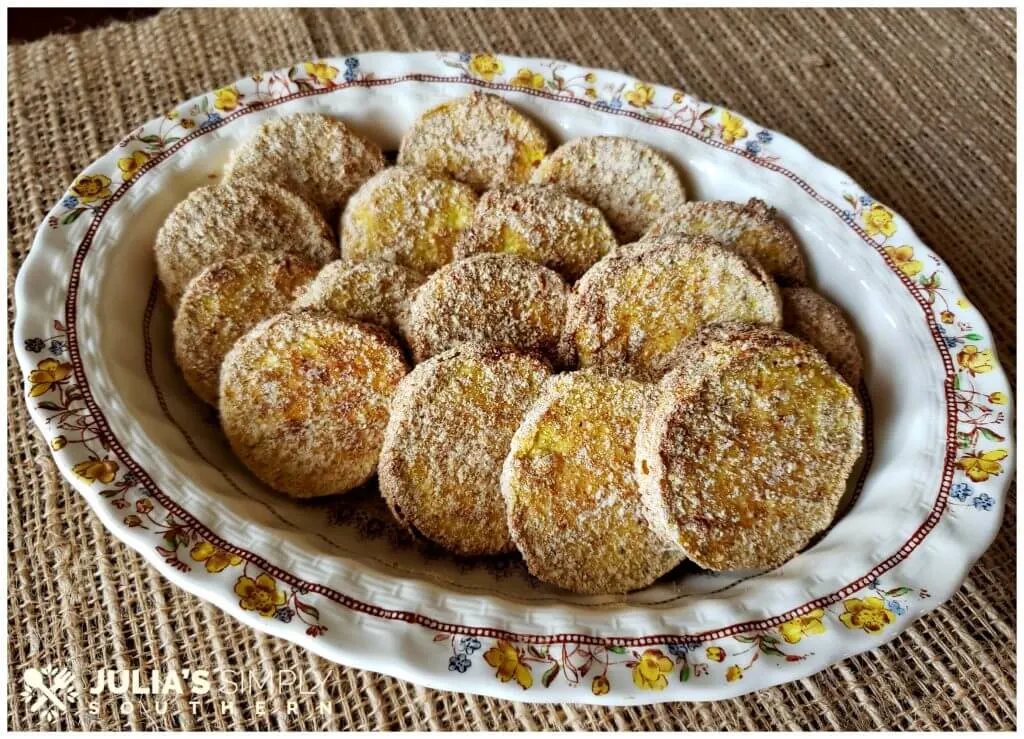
[{"x": 339, "y": 578}]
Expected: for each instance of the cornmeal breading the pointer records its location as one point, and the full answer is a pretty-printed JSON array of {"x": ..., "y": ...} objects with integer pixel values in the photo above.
[
  {"x": 452, "y": 420},
  {"x": 478, "y": 139},
  {"x": 744, "y": 452},
  {"x": 305, "y": 398}
]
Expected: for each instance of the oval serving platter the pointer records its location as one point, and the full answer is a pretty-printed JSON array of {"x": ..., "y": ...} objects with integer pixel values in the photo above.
[{"x": 340, "y": 578}]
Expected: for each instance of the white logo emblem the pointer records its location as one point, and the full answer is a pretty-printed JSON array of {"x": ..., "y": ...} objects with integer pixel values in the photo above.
[{"x": 48, "y": 691}]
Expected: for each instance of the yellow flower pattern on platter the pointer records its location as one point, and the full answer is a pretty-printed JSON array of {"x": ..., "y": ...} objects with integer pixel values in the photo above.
[
  {"x": 322, "y": 72},
  {"x": 215, "y": 559},
  {"x": 879, "y": 220},
  {"x": 260, "y": 595},
  {"x": 508, "y": 664},
  {"x": 47, "y": 375},
  {"x": 640, "y": 96},
  {"x": 903, "y": 258},
  {"x": 96, "y": 470},
  {"x": 809, "y": 625},
  {"x": 976, "y": 361},
  {"x": 652, "y": 670},
  {"x": 869, "y": 614},
  {"x": 715, "y": 654},
  {"x": 732, "y": 128},
  {"x": 130, "y": 165},
  {"x": 528, "y": 78},
  {"x": 91, "y": 188},
  {"x": 980, "y": 467},
  {"x": 485, "y": 66},
  {"x": 226, "y": 98}
]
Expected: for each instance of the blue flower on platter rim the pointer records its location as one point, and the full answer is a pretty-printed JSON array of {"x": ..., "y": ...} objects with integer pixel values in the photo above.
[
  {"x": 961, "y": 491},
  {"x": 896, "y": 607},
  {"x": 458, "y": 663},
  {"x": 951, "y": 341},
  {"x": 678, "y": 650},
  {"x": 983, "y": 502},
  {"x": 213, "y": 118}
]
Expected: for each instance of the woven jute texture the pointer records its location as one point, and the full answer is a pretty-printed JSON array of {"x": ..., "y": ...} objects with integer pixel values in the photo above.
[{"x": 917, "y": 106}]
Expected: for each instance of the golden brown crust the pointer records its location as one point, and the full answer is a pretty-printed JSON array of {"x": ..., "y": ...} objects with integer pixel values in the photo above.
[
  {"x": 574, "y": 509},
  {"x": 636, "y": 308},
  {"x": 232, "y": 218},
  {"x": 407, "y": 216},
  {"x": 369, "y": 292},
  {"x": 823, "y": 324},
  {"x": 305, "y": 399},
  {"x": 497, "y": 298},
  {"x": 744, "y": 453},
  {"x": 752, "y": 229},
  {"x": 631, "y": 183},
  {"x": 223, "y": 302},
  {"x": 313, "y": 155},
  {"x": 542, "y": 223},
  {"x": 452, "y": 420},
  {"x": 478, "y": 139}
]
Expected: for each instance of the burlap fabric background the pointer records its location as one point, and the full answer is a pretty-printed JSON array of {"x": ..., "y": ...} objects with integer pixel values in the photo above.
[{"x": 917, "y": 106}]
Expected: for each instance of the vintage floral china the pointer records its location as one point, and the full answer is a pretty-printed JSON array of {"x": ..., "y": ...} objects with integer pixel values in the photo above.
[{"x": 92, "y": 338}]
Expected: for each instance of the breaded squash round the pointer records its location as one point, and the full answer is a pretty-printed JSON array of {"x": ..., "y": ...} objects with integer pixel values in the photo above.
[
  {"x": 636, "y": 308},
  {"x": 498, "y": 298},
  {"x": 744, "y": 454},
  {"x": 754, "y": 230},
  {"x": 232, "y": 218},
  {"x": 823, "y": 324},
  {"x": 304, "y": 401},
  {"x": 631, "y": 183},
  {"x": 542, "y": 223},
  {"x": 223, "y": 302},
  {"x": 574, "y": 509},
  {"x": 406, "y": 216},
  {"x": 452, "y": 420},
  {"x": 478, "y": 139},
  {"x": 313, "y": 155},
  {"x": 371, "y": 292}
]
